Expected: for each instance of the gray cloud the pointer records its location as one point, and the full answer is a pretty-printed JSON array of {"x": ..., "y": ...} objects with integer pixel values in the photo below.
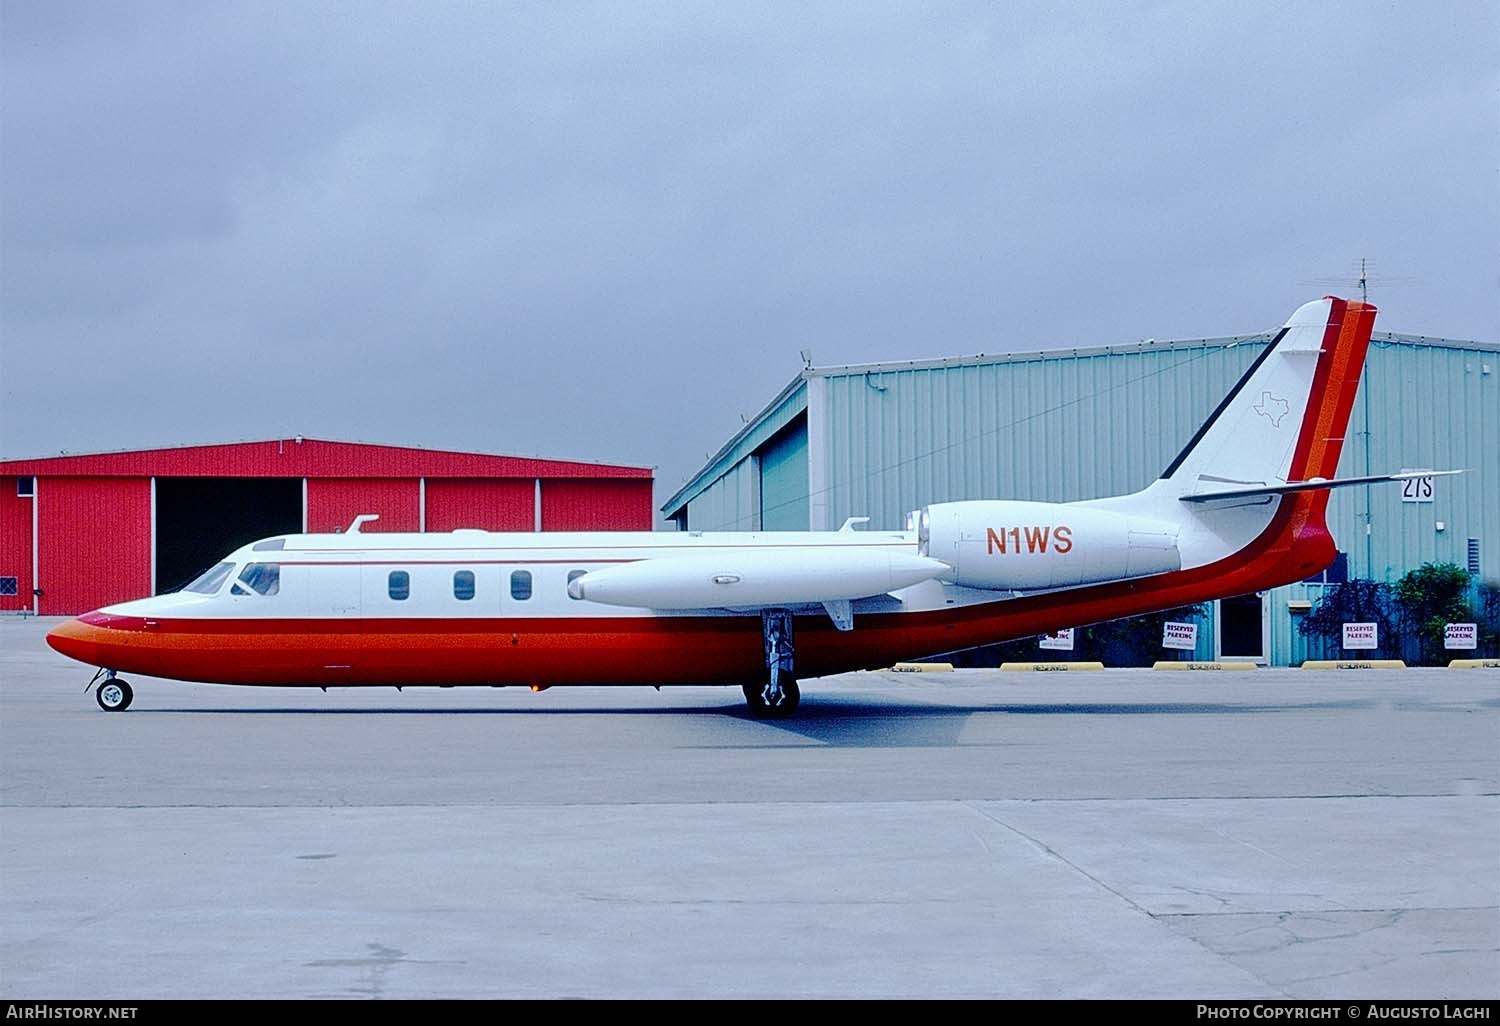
[{"x": 605, "y": 232}]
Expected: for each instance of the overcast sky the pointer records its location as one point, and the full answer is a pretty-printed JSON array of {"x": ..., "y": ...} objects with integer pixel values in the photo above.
[{"x": 604, "y": 231}]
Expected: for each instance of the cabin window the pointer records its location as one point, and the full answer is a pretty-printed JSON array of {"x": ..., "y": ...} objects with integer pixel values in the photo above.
[
  {"x": 259, "y": 579},
  {"x": 463, "y": 585},
  {"x": 398, "y": 585},
  {"x": 573, "y": 575},
  {"x": 212, "y": 580},
  {"x": 520, "y": 585}
]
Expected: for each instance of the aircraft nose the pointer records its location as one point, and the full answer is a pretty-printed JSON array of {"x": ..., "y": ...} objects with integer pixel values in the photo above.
[{"x": 76, "y": 640}]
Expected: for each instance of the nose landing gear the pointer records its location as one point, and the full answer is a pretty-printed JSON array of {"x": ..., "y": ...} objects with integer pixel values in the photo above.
[{"x": 114, "y": 694}]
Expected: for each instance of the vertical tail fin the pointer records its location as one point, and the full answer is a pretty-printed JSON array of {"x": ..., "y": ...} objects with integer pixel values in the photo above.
[{"x": 1286, "y": 418}]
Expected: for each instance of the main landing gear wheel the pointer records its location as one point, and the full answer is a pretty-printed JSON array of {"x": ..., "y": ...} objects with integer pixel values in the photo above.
[
  {"x": 767, "y": 703},
  {"x": 777, "y": 696},
  {"x": 114, "y": 695}
]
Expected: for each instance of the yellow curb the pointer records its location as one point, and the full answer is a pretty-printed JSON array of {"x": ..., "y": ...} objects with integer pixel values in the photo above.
[
  {"x": 1045, "y": 667},
  {"x": 1474, "y": 664},
  {"x": 1354, "y": 664},
  {"x": 1172, "y": 664},
  {"x": 923, "y": 667}
]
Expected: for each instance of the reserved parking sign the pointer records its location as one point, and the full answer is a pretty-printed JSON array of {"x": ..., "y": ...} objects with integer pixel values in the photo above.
[
  {"x": 1182, "y": 636},
  {"x": 1461, "y": 635}
]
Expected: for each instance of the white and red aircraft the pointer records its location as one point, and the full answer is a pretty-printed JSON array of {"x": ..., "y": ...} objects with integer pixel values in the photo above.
[{"x": 1241, "y": 509}]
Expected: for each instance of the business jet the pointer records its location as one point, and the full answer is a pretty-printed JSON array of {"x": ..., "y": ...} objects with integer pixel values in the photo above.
[{"x": 1240, "y": 510}]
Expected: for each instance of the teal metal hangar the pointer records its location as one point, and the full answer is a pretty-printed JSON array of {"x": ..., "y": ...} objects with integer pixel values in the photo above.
[{"x": 879, "y": 440}]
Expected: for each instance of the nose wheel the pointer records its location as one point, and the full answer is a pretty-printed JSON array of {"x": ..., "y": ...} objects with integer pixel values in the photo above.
[{"x": 114, "y": 695}]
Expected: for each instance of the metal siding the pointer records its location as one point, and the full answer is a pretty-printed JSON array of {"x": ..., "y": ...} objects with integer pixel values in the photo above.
[
  {"x": 1431, "y": 407},
  {"x": 313, "y": 458},
  {"x": 596, "y": 505},
  {"x": 749, "y": 493},
  {"x": 732, "y": 503},
  {"x": 816, "y": 475},
  {"x": 15, "y": 545},
  {"x": 496, "y": 504},
  {"x": 332, "y": 504},
  {"x": 748, "y": 497},
  {"x": 716, "y": 507},
  {"x": 738, "y": 451},
  {"x": 1482, "y": 490},
  {"x": 705, "y": 510},
  {"x": 95, "y": 538},
  {"x": 783, "y": 481},
  {"x": 1053, "y": 427}
]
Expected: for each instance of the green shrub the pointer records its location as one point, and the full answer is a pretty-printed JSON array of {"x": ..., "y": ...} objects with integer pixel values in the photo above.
[
  {"x": 1355, "y": 601},
  {"x": 1429, "y": 597}
]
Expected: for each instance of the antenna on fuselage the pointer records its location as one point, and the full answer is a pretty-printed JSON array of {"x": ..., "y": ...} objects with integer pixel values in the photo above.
[{"x": 360, "y": 521}]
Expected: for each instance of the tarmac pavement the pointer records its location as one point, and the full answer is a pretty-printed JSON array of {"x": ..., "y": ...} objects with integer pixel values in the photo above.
[{"x": 1125, "y": 834}]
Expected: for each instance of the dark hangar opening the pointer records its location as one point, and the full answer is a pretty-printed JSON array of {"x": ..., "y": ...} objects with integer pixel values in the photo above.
[{"x": 200, "y": 520}]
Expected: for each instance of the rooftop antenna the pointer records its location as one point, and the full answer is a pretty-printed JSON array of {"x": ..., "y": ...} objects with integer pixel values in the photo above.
[{"x": 1363, "y": 280}]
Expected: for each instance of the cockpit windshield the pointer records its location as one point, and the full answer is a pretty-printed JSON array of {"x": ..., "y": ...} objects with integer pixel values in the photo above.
[
  {"x": 212, "y": 580},
  {"x": 259, "y": 578}
]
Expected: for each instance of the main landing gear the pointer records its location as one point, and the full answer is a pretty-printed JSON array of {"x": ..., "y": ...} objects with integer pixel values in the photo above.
[
  {"x": 114, "y": 694},
  {"x": 777, "y": 697}
]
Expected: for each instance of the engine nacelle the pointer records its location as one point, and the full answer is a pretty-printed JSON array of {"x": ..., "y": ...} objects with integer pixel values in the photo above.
[{"x": 1034, "y": 545}]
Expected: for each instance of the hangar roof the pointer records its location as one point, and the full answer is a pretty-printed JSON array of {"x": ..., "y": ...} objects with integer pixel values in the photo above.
[{"x": 309, "y": 457}]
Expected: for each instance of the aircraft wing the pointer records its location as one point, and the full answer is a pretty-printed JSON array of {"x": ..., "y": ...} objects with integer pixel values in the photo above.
[{"x": 760, "y": 578}]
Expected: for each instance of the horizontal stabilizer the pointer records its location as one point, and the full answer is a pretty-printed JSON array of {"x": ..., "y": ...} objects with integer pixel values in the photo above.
[{"x": 1312, "y": 486}]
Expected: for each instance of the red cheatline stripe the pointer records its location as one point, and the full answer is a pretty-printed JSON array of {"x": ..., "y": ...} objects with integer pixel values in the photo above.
[{"x": 161, "y": 626}]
